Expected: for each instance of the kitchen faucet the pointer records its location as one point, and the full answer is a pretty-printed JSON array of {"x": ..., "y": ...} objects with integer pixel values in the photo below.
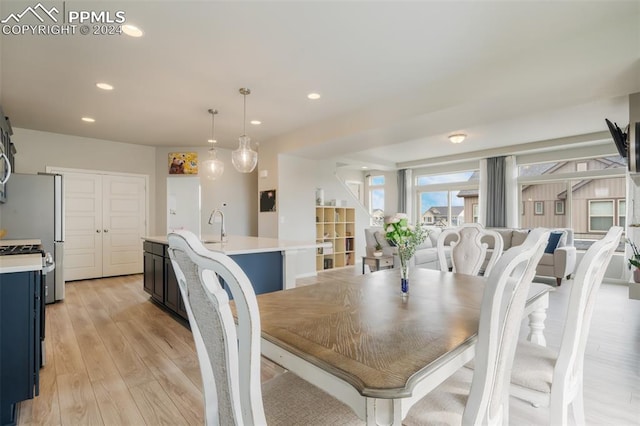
[{"x": 223, "y": 234}]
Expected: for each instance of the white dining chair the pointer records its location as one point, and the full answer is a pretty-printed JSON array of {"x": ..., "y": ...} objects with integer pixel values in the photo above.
[
  {"x": 229, "y": 352},
  {"x": 467, "y": 251},
  {"x": 484, "y": 397},
  {"x": 546, "y": 377}
]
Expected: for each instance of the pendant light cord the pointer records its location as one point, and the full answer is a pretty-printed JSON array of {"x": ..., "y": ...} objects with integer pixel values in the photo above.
[{"x": 244, "y": 117}]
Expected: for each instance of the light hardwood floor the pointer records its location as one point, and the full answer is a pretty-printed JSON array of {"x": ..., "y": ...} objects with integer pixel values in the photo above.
[{"x": 115, "y": 358}]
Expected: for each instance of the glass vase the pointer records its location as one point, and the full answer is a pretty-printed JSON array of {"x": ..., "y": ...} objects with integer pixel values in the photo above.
[{"x": 404, "y": 277}]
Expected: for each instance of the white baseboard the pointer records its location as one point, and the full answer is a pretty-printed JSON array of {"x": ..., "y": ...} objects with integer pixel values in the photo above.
[{"x": 307, "y": 275}]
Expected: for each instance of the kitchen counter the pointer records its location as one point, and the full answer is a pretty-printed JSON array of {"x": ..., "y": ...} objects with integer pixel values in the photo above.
[
  {"x": 237, "y": 244},
  {"x": 269, "y": 263},
  {"x": 20, "y": 263}
]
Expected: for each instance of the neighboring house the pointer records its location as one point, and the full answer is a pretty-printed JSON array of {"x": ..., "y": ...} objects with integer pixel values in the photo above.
[
  {"x": 438, "y": 216},
  {"x": 596, "y": 204}
]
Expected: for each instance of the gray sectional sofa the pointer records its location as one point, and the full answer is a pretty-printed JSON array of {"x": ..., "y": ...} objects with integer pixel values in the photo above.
[{"x": 559, "y": 263}]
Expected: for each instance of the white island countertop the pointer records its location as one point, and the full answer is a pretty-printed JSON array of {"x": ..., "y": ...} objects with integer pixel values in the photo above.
[
  {"x": 20, "y": 263},
  {"x": 237, "y": 244}
]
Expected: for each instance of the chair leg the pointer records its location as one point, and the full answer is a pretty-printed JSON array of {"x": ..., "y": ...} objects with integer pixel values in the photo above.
[
  {"x": 558, "y": 281},
  {"x": 558, "y": 410},
  {"x": 578, "y": 407}
]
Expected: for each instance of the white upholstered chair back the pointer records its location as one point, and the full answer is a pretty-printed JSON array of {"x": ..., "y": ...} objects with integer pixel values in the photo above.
[
  {"x": 228, "y": 354},
  {"x": 502, "y": 309},
  {"x": 568, "y": 372},
  {"x": 468, "y": 253}
]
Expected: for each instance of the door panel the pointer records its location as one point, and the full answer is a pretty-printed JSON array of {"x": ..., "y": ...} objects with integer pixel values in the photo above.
[
  {"x": 123, "y": 224},
  {"x": 83, "y": 220},
  {"x": 105, "y": 222}
]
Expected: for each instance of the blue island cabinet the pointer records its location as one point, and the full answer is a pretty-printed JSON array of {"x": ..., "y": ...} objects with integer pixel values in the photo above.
[
  {"x": 20, "y": 301},
  {"x": 264, "y": 270}
]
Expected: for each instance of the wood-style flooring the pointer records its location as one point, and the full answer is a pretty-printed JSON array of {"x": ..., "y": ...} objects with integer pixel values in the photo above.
[{"x": 115, "y": 358}]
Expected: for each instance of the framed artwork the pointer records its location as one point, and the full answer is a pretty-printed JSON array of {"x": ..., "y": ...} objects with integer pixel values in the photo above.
[
  {"x": 268, "y": 200},
  {"x": 183, "y": 163},
  {"x": 538, "y": 207},
  {"x": 559, "y": 207}
]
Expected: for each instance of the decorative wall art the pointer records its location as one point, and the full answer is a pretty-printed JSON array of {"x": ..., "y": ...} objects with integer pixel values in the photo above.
[
  {"x": 183, "y": 163},
  {"x": 268, "y": 200}
]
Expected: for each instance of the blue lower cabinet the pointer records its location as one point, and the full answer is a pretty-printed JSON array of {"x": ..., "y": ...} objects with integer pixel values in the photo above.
[
  {"x": 264, "y": 270},
  {"x": 20, "y": 301}
]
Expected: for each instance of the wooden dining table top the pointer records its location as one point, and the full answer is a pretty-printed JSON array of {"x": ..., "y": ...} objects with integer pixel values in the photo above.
[{"x": 361, "y": 330}]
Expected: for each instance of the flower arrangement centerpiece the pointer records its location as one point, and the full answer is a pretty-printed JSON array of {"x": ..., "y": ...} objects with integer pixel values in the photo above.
[
  {"x": 634, "y": 260},
  {"x": 406, "y": 238}
]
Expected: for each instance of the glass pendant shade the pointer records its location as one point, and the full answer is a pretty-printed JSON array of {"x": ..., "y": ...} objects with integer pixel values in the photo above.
[
  {"x": 244, "y": 159},
  {"x": 212, "y": 167}
]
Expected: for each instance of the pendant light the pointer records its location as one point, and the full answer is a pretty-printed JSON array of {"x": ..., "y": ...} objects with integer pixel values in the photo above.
[
  {"x": 244, "y": 159},
  {"x": 212, "y": 167}
]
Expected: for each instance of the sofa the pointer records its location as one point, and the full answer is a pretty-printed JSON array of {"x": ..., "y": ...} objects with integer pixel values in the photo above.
[{"x": 558, "y": 261}]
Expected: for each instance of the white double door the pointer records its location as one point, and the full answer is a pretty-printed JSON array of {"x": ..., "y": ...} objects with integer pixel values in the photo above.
[{"x": 105, "y": 220}]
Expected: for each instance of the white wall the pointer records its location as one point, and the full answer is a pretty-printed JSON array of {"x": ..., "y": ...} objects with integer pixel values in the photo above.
[
  {"x": 36, "y": 150},
  {"x": 237, "y": 190},
  {"x": 298, "y": 180}
]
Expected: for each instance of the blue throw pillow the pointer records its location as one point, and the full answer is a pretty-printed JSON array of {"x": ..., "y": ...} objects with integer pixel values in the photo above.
[{"x": 552, "y": 244}]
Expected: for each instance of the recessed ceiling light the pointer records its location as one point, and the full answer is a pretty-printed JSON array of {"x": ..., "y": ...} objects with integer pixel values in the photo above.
[
  {"x": 132, "y": 30},
  {"x": 256, "y": 122},
  {"x": 212, "y": 141},
  {"x": 364, "y": 167},
  {"x": 104, "y": 86},
  {"x": 313, "y": 96},
  {"x": 88, "y": 119}
]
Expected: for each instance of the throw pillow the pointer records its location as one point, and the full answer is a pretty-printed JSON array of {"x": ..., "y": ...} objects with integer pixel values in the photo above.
[{"x": 552, "y": 243}]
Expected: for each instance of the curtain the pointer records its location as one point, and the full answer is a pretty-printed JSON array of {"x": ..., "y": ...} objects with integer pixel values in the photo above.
[
  {"x": 402, "y": 191},
  {"x": 511, "y": 191},
  {"x": 496, "y": 192}
]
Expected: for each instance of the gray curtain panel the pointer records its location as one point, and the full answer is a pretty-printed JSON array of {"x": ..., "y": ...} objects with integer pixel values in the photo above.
[
  {"x": 402, "y": 191},
  {"x": 496, "y": 194}
]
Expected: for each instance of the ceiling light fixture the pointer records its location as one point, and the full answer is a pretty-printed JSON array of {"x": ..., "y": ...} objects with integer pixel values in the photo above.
[
  {"x": 457, "y": 137},
  {"x": 213, "y": 168},
  {"x": 244, "y": 159},
  {"x": 313, "y": 96},
  {"x": 104, "y": 86},
  {"x": 88, "y": 119},
  {"x": 256, "y": 122},
  {"x": 132, "y": 30}
]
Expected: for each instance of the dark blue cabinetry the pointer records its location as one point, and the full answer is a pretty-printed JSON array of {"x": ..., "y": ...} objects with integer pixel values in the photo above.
[
  {"x": 20, "y": 301},
  {"x": 264, "y": 270}
]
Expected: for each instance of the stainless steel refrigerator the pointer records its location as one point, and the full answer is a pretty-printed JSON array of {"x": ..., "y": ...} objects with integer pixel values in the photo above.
[{"x": 34, "y": 210}]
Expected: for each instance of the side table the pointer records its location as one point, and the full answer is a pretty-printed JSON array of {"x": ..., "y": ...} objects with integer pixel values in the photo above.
[{"x": 377, "y": 263}]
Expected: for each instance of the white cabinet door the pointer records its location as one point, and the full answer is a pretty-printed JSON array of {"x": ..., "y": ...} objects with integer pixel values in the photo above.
[
  {"x": 105, "y": 218},
  {"x": 83, "y": 226},
  {"x": 123, "y": 224}
]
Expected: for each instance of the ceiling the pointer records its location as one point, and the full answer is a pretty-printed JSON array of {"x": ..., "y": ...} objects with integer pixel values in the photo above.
[{"x": 395, "y": 77}]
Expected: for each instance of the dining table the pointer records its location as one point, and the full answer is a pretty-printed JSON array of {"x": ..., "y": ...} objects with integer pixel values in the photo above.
[{"x": 359, "y": 340}]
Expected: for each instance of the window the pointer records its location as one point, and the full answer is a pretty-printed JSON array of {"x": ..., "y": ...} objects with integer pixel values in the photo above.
[
  {"x": 447, "y": 199},
  {"x": 601, "y": 216},
  {"x": 589, "y": 204},
  {"x": 376, "y": 200},
  {"x": 622, "y": 213}
]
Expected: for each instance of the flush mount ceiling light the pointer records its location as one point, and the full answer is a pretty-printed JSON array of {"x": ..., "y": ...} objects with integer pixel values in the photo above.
[
  {"x": 457, "y": 137},
  {"x": 212, "y": 167},
  {"x": 244, "y": 159},
  {"x": 132, "y": 30},
  {"x": 104, "y": 86}
]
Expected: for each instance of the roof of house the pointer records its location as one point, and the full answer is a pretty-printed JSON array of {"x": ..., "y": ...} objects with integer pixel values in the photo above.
[{"x": 442, "y": 210}]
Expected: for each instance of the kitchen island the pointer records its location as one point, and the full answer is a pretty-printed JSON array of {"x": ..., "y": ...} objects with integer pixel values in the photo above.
[{"x": 269, "y": 263}]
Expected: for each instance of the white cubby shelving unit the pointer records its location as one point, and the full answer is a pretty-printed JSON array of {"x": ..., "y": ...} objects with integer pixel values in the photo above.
[{"x": 335, "y": 225}]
